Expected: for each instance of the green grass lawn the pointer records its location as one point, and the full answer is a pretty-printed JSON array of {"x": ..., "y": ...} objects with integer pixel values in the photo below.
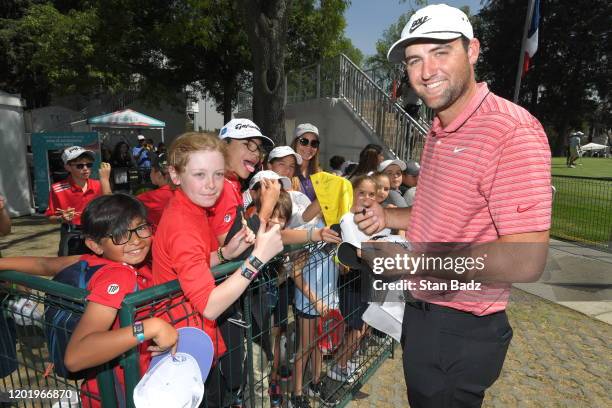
[
  {"x": 585, "y": 167},
  {"x": 582, "y": 209}
]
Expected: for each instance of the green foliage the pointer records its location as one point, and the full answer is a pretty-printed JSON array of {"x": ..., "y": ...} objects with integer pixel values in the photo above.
[
  {"x": 569, "y": 83},
  {"x": 156, "y": 47}
]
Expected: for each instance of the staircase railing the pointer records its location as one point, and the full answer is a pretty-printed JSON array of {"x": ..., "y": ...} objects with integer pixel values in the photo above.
[
  {"x": 339, "y": 77},
  {"x": 401, "y": 133}
]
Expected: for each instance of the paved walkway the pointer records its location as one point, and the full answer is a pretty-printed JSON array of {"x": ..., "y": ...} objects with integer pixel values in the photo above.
[{"x": 559, "y": 357}]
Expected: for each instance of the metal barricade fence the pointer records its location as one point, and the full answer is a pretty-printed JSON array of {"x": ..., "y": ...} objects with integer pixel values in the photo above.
[
  {"x": 581, "y": 210},
  {"x": 267, "y": 324},
  {"x": 27, "y": 376}
]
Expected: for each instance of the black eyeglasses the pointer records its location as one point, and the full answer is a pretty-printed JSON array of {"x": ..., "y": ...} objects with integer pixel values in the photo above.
[
  {"x": 81, "y": 166},
  {"x": 313, "y": 143},
  {"x": 142, "y": 231},
  {"x": 254, "y": 147}
]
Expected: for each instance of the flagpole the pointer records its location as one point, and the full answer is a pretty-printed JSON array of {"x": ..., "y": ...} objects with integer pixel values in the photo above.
[{"x": 519, "y": 71}]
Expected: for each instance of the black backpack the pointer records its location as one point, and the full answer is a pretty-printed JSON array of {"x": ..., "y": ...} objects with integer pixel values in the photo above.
[{"x": 62, "y": 318}]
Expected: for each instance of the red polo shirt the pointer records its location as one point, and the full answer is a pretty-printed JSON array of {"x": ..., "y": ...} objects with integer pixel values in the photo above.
[
  {"x": 66, "y": 193},
  {"x": 485, "y": 175},
  {"x": 108, "y": 287},
  {"x": 181, "y": 250},
  {"x": 221, "y": 216},
  {"x": 156, "y": 202}
]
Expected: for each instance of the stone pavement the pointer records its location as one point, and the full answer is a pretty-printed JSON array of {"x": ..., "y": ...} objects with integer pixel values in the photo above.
[{"x": 558, "y": 357}]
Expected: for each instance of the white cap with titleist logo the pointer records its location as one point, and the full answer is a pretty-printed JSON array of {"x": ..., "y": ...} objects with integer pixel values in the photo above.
[
  {"x": 438, "y": 22},
  {"x": 73, "y": 152},
  {"x": 243, "y": 129}
]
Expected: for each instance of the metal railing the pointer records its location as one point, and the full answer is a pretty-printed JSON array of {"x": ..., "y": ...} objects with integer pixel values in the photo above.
[
  {"x": 401, "y": 133},
  {"x": 253, "y": 359},
  {"x": 339, "y": 77},
  {"x": 582, "y": 210}
]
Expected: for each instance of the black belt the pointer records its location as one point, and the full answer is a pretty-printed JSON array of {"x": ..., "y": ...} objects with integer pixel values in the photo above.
[{"x": 417, "y": 304}]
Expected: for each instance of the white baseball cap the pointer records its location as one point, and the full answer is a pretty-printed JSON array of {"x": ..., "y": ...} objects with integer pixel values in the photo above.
[
  {"x": 72, "y": 152},
  {"x": 242, "y": 129},
  {"x": 306, "y": 128},
  {"x": 283, "y": 151},
  {"x": 383, "y": 165},
  {"x": 177, "y": 381},
  {"x": 140, "y": 137},
  {"x": 269, "y": 174},
  {"x": 438, "y": 22}
]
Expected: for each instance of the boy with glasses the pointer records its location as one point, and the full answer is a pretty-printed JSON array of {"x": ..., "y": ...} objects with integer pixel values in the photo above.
[{"x": 68, "y": 198}]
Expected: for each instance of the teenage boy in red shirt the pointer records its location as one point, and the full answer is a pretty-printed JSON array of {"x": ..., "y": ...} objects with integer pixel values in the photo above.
[{"x": 68, "y": 198}]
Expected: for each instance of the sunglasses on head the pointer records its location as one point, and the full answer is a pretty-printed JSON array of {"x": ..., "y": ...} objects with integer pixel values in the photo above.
[
  {"x": 81, "y": 166},
  {"x": 305, "y": 142}
]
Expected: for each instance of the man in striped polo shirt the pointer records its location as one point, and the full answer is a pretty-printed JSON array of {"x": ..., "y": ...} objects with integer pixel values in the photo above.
[{"x": 485, "y": 180}]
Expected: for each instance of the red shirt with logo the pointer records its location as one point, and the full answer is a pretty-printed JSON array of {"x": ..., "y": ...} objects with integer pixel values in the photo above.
[
  {"x": 66, "y": 193},
  {"x": 221, "y": 216},
  {"x": 483, "y": 176},
  {"x": 108, "y": 287},
  {"x": 156, "y": 202},
  {"x": 181, "y": 250}
]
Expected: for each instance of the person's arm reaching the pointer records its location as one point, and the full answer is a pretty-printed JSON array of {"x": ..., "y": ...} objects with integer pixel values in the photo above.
[
  {"x": 267, "y": 245},
  {"x": 93, "y": 343},
  {"x": 38, "y": 265}
]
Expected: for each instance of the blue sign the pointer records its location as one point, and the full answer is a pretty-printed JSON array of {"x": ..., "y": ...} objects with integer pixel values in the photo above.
[{"x": 43, "y": 143}]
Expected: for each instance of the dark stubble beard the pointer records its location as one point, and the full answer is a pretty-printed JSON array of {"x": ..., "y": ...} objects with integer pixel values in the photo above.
[{"x": 451, "y": 94}]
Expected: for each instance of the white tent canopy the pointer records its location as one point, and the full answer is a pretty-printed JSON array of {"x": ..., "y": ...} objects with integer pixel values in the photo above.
[
  {"x": 592, "y": 146},
  {"x": 127, "y": 119}
]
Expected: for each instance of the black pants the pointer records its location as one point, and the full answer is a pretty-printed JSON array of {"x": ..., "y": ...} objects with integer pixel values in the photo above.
[{"x": 451, "y": 357}]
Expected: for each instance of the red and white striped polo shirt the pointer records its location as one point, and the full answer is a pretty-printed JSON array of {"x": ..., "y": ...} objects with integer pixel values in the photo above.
[{"x": 485, "y": 175}]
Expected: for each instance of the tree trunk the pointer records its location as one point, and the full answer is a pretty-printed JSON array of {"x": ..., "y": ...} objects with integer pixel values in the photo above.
[
  {"x": 227, "y": 101},
  {"x": 266, "y": 22}
]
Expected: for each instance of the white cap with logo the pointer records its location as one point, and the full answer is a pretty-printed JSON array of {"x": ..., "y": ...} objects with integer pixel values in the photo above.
[
  {"x": 283, "y": 151},
  {"x": 438, "y": 22},
  {"x": 243, "y": 129},
  {"x": 383, "y": 165},
  {"x": 306, "y": 128},
  {"x": 73, "y": 152},
  {"x": 177, "y": 381},
  {"x": 269, "y": 174}
]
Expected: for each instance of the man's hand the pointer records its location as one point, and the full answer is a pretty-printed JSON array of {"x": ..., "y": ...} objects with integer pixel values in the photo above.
[{"x": 371, "y": 220}]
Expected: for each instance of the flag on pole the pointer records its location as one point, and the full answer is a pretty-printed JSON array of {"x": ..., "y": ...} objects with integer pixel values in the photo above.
[{"x": 531, "y": 45}]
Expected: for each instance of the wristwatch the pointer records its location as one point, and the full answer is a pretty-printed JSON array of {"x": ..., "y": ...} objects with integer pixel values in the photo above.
[
  {"x": 248, "y": 272},
  {"x": 256, "y": 262},
  {"x": 138, "y": 331}
]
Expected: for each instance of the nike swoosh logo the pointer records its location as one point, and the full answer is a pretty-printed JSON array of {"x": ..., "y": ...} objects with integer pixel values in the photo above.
[
  {"x": 520, "y": 209},
  {"x": 418, "y": 23},
  {"x": 459, "y": 149}
]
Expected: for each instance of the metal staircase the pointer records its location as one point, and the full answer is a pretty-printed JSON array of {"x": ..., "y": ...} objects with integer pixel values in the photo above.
[{"x": 340, "y": 78}]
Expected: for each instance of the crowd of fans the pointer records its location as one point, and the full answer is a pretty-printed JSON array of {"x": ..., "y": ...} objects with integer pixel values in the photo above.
[{"x": 231, "y": 196}]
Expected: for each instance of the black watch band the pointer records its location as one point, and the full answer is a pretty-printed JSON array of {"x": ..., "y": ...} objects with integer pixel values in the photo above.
[
  {"x": 255, "y": 262},
  {"x": 247, "y": 272}
]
